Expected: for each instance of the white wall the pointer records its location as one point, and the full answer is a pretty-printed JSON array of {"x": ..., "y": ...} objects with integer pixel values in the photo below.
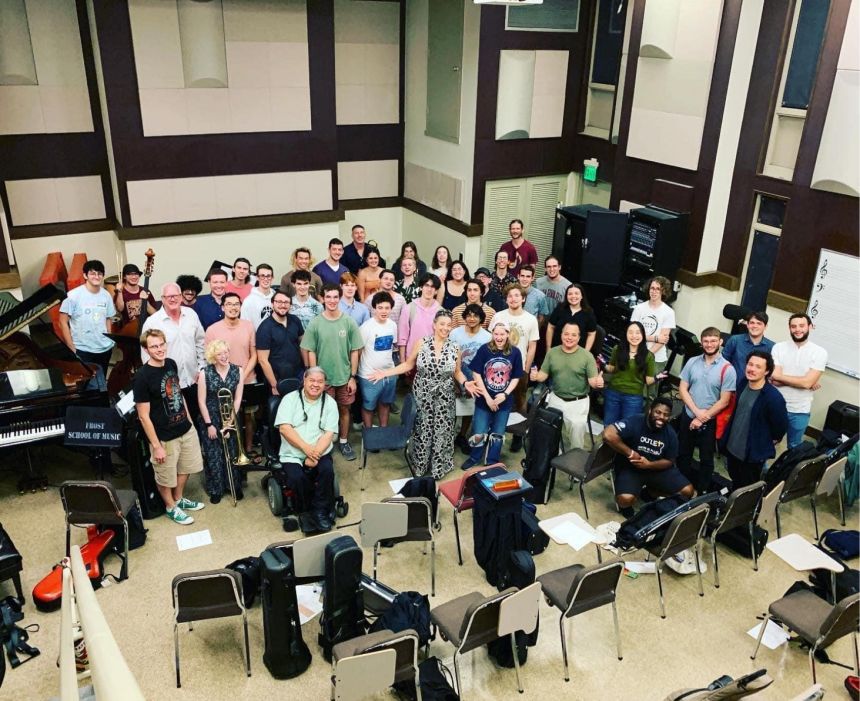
[
  {"x": 449, "y": 158},
  {"x": 697, "y": 308},
  {"x": 382, "y": 225},
  {"x": 427, "y": 235}
]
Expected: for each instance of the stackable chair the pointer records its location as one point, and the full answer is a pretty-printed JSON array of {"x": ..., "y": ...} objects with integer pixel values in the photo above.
[
  {"x": 519, "y": 612},
  {"x": 468, "y": 622},
  {"x": 830, "y": 480},
  {"x": 685, "y": 531},
  {"x": 802, "y": 481},
  {"x": 388, "y": 437},
  {"x": 371, "y": 663},
  {"x": 97, "y": 501},
  {"x": 766, "y": 517},
  {"x": 582, "y": 466},
  {"x": 740, "y": 510},
  {"x": 459, "y": 493},
  {"x": 399, "y": 520},
  {"x": 576, "y": 589},
  {"x": 816, "y": 621},
  {"x": 198, "y": 596}
]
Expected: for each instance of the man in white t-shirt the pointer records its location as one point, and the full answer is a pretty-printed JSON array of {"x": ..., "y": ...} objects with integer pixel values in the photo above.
[
  {"x": 379, "y": 334},
  {"x": 658, "y": 318},
  {"x": 258, "y": 304},
  {"x": 799, "y": 364},
  {"x": 525, "y": 333}
]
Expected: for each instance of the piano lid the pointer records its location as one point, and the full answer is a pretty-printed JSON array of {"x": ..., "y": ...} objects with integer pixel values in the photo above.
[{"x": 17, "y": 316}]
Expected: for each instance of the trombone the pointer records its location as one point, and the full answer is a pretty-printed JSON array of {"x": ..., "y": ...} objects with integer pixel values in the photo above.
[{"x": 229, "y": 424}]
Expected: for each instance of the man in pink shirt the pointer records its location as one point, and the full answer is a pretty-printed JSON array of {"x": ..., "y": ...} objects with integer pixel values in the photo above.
[
  {"x": 520, "y": 252},
  {"x": 241, "y": 339},
  {"x": 241, "y": 284},
  {"x": 416, "y": 319}
]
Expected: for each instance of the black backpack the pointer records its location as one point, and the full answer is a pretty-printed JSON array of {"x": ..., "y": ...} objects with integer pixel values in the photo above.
[
  {"x": 787, "y": 461},
  {"x": 408, "y": 610},
  {"x": 846, "y": 544},
  {"x": 435, "y": 680},
  {"x": 847, "y": 581},
  {"x": 250, "y": 569}
]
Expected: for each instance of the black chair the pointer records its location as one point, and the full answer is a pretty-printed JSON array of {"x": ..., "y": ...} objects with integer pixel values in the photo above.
[
  {"x": 11, "y": 562},
  {"x": 86, "y": 503},
  {"x": 740, "y": 510},
  {"x": 198, "y": 596},
  {"x": 802, "y": 481},
  {"x": 388, "y": 437},
  {"x": 576, "y": 589},
  {"x": 684, "y": 532},
  {"x": 582, "y": 466},
  {"x": 521, "y": 429},
  {"x": 816, "y": 621}
]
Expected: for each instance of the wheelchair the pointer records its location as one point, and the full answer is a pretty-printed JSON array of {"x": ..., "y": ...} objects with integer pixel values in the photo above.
[{"x": 282, "y": 500}]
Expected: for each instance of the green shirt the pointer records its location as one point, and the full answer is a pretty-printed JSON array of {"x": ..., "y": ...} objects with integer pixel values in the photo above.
[
  {"x": 629, "y": 380},
  {"x": 569, "y": 371},
  {"x": 321, "y": 418},
  {"x": 332, "y": 342}
]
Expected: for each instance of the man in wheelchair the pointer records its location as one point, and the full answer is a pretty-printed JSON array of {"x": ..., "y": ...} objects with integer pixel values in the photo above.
[{"x": 308, "y": 421}]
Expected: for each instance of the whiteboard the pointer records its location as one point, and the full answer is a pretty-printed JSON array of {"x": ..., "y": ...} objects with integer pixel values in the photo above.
[{"x": 835, "y": 312}]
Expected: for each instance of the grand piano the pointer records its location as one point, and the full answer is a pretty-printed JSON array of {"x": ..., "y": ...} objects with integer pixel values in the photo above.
[{"x": 39, "y": 380}]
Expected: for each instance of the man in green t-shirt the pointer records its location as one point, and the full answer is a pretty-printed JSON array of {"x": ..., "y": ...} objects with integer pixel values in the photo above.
[
  {"x": 333, "y": 342},
  {"x": 574, "y": 373}
]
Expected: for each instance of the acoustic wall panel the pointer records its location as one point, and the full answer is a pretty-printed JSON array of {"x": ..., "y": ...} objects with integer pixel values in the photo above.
[
  {"x": 52, "y": 200},
  {"x": 437, "y": 190},
  {"x": 59, "y": 102},
  {"x": 367, "y": 62},
  {"x": 265, "y": 76},
  {"x": 17, "y": 66},
  {"x": 364, "y": 179},
  {"x": 671, "y": 93},
  {"x": 836, "y": 167},
  {"x": 219, "y": 197}
]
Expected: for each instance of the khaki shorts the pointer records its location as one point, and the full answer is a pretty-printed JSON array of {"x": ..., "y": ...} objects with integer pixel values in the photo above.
[
  {"x": 183, "y": 458},
  {"x": 342, "y": 395}
]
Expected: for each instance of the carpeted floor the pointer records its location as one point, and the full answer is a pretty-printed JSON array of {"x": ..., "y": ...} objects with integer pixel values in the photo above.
[{"x": 701, "y": 639}]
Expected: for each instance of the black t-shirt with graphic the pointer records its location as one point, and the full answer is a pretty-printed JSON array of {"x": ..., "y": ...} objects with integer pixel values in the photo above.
[
  {"x": 160, "y": 387},
  {"x": 652, "y": 444},
  {"x": 497, "y": 369}
]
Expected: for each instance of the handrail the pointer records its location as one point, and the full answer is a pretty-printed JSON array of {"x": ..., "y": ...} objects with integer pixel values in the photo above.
[{"x": 112, "y": 679}]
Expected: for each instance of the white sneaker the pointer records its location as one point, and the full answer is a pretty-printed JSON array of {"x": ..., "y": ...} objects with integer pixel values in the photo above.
[{"x": 177, "y": 515}]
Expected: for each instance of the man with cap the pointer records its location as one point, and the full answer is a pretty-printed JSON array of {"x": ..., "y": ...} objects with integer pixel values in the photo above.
[
  {"x": 492, "y": 297},
  {"x": 129, "y": 297}
]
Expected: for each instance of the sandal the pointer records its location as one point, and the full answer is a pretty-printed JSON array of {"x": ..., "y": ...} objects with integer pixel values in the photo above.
[{"x": 255, "y": 457}]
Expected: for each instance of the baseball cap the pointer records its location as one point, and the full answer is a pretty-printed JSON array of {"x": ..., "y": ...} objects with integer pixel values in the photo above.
[
  {"x": 484, "y": 271},
  {"x": 131, "y": 268}
]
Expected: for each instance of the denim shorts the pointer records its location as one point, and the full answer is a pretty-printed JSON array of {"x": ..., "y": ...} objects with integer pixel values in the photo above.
[{"x": 373, "y": 393}]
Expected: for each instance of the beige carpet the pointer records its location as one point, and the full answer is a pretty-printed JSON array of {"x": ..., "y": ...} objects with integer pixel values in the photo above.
[{"x": 701, "y": 639}]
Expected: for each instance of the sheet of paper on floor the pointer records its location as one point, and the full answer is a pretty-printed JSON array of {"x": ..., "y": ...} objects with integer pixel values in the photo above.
[
  {"x": 572, "y": 534},
  {"x": 773, "y": 637},
  {"x": 397, "y": 485},
  {"x": 310, "y": 605},
  {"x": 194, "y": 540},
  {"x": 641, "y": 567}
]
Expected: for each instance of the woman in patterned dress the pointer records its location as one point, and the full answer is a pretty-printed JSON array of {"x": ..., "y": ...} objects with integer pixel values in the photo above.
[
  {"x": 431, "y": 448},
  {"x": 219, "y": 373}
]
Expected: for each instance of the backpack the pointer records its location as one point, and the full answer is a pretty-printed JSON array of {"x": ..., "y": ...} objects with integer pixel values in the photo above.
[
  {"x": 847, "y": 581},
  {"x": 136, "y": 530},
  {"x": 408, "y": 610},
  {"x": 786, "y": 462},
  {"x": 725, "y": 415},
  {"x": 250, "y": 569},
  {"x": 435, "y": 680},
  {"x": 846, "y": 544}
]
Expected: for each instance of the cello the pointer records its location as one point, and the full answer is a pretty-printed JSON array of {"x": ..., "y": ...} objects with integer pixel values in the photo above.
[{"x": 128, "y": 337}]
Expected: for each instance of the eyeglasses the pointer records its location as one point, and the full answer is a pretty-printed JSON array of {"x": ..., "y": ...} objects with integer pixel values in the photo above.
[
  {"x": 171, "y": 296},
  {"x": 264, "y": 276}
]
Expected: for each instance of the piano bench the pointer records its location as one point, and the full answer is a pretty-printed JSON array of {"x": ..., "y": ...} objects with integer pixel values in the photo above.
[{"x": 10, "y": 562}]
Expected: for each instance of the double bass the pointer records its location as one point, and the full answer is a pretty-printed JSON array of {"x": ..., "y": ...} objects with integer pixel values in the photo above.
[{"x": 128, "y": 337}]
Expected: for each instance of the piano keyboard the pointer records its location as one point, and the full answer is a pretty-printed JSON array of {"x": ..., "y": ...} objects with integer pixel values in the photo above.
[{"x": 31, "y": 432}]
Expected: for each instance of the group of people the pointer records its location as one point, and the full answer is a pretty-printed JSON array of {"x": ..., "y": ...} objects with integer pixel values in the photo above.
[
  {"x": 349, "y": 326},
  {"x": 742, "y": 398}
]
